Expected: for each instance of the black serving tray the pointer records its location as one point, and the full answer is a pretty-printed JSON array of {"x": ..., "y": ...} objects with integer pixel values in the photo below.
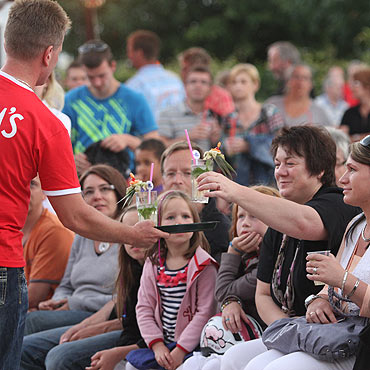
[{"x": 188, "y": 228}]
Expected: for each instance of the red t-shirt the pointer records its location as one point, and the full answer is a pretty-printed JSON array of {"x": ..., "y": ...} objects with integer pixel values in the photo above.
[
  {"x": 32, "y": 140},
  {"x": 219, "y": 101}
]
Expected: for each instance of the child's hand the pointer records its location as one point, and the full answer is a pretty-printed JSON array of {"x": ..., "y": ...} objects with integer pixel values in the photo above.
[
  {"x": 232, "y": 316},
  {"x": 177, "y": 357},
  {"x": 162, "y": 355},
  {"x": 248, "y": 242}
]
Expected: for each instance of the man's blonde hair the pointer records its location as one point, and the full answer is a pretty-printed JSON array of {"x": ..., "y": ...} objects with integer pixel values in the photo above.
[{"x": 32, "y": 26}]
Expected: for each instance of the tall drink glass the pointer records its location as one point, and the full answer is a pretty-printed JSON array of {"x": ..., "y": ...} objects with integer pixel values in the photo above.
[
  {"x": 197, "y": 169},
  {"x": 146, "y": 204}
]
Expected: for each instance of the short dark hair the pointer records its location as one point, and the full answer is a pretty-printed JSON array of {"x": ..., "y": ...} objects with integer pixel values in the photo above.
[
  {"x": 314, "y": 144},
  {"x": 111, "y": 176},
  {"x": 94, "y": 52},
  {"x": 200, "y": 69},
  {"x": 74, "y": 64},
  {"x": 195, "y": 56},
  {"x": 175, "y": 147},
  {"x": 147, "y": 41},
  {"x": 155, "y": 146},
  {"x": 34, "y": 25}
]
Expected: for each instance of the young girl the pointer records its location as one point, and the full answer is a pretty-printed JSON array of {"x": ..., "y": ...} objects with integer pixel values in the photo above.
[
  {"x": 176, "y": 292},
  {"x": 237, "y": 277}
]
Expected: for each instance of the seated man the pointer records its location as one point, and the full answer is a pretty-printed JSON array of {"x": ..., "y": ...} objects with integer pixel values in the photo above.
[
  {"x": 106, "y": 110},
  {"x": 176, "y": 173},
  {"x": 192, "y": 113},
  {"x": 46, "y": 247},
  {"x": 148, "y": 152}
]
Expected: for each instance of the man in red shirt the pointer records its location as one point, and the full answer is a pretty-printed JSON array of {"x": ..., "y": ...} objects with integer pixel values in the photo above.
[{"x": 33, "y": 140}]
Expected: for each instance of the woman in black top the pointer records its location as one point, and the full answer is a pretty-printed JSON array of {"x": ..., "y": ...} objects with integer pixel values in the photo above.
[
  {"x": 356, "y": 120},
  {"x": 311, "y": 217}
]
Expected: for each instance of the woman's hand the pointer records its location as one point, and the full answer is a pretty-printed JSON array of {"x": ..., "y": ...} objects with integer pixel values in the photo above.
[
  {"x": 248, "y": 242},
  {"x": 51, "y": 304},
  {"x": 107, "y": 360},
  {"x": 220, "y": 185},
  {"x": 326, "y": 269},
  {"x": 232, "y": 316},
  {"x": 162, "y": 355},
  {"x": 177, "y": 355},
  {"x": 320, "y": 311}
]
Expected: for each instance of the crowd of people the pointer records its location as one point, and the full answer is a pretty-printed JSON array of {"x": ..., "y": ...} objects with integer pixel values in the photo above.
[{"x": 84, "y": 285}]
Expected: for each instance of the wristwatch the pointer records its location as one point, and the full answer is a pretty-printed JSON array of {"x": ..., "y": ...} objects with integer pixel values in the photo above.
[{"x": 310, "y": 299}]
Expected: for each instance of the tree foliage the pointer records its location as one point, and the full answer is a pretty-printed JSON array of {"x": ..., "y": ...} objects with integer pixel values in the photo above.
[{"x": 231, "y": 27}]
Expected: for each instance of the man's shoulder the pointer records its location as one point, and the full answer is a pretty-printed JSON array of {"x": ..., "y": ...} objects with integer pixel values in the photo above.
[
  {"x": 176, "y": 110},
  {"x": 80, "y": 93},
  {"x": 127, "y": 93},
  {"x": 49, "y": 223}
]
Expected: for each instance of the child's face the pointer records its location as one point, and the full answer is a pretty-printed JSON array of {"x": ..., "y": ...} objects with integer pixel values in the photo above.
[
  {"x": 176, "y": 211},
  {"x": 130, "y": 219},
  {"x": 247, "y": 223},
  {"x": 143, "y": 162}
]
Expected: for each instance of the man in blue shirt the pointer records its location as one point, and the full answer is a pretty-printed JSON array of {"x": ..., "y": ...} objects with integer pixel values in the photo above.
[
  {"x": 161, "y": 88},
  {"x": 106, "y": 110}
]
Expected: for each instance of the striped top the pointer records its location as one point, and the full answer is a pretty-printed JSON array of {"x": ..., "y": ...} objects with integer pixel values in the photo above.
[{"x": 171, "y": 298}]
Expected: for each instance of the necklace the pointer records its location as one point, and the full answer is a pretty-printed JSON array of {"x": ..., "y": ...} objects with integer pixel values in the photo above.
[
  {"x": 367, "y": 240},
  {"x": 24, "y": 82},
  {"x": 171, "y": 281},
  {"x": 103, "y": 247}
]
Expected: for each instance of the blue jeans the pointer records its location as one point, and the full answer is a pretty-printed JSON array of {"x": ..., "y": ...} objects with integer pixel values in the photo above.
[
  {"x": 43, "y": 351},
  {"x": 37, "y": 321},
  {"x": 13, "y": 309}
]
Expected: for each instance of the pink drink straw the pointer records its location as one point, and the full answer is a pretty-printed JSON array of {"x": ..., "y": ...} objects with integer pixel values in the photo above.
[
  {"x": 151, "y": 180},
  {"x": 189, "y": 143}
]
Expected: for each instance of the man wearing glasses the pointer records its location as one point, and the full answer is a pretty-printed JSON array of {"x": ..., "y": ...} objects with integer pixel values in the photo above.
[
  {"x": 191, "y": 114},
  {"x": 106, "y": 110},
  {"x": 33, "y": 140}
]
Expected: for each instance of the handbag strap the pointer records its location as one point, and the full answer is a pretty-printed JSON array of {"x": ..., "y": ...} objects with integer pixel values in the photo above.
[{"x": 336, "y": 305}]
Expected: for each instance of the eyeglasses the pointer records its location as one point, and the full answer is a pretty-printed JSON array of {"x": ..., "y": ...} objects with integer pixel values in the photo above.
[
  {"x": 365, "y": 141},
  {"x": 98, "y": 46},
  {"x": 173, "y": 174},
  {"x": 103, "y": 190}
]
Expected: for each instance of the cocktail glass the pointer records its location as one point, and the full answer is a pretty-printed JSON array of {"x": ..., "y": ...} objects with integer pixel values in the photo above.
[
  {"x": 197, "y": 168},
  {"x": 146, "y": 204}
]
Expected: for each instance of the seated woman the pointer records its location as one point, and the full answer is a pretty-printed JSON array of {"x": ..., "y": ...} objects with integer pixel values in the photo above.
[
  {"x": 249, "y": 136},
  {"x": 72, "y": 347},
  {"x": 311, "y": 216},
  {"x": 295, "y": 105},
  {"x": 88, "y": 281},
  {"x": 237, "y": 276},
  {"x": 349, "y": 271}
]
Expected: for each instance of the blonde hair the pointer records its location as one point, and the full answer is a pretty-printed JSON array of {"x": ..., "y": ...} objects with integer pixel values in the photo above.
[
  {"x": 268, "y": 190},
  {"x": 247, "y": 68},
  {"x": 53, "y": 93}
]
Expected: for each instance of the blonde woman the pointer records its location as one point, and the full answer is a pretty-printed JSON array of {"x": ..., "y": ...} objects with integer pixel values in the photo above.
[{"x": 249, "y": 136}]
